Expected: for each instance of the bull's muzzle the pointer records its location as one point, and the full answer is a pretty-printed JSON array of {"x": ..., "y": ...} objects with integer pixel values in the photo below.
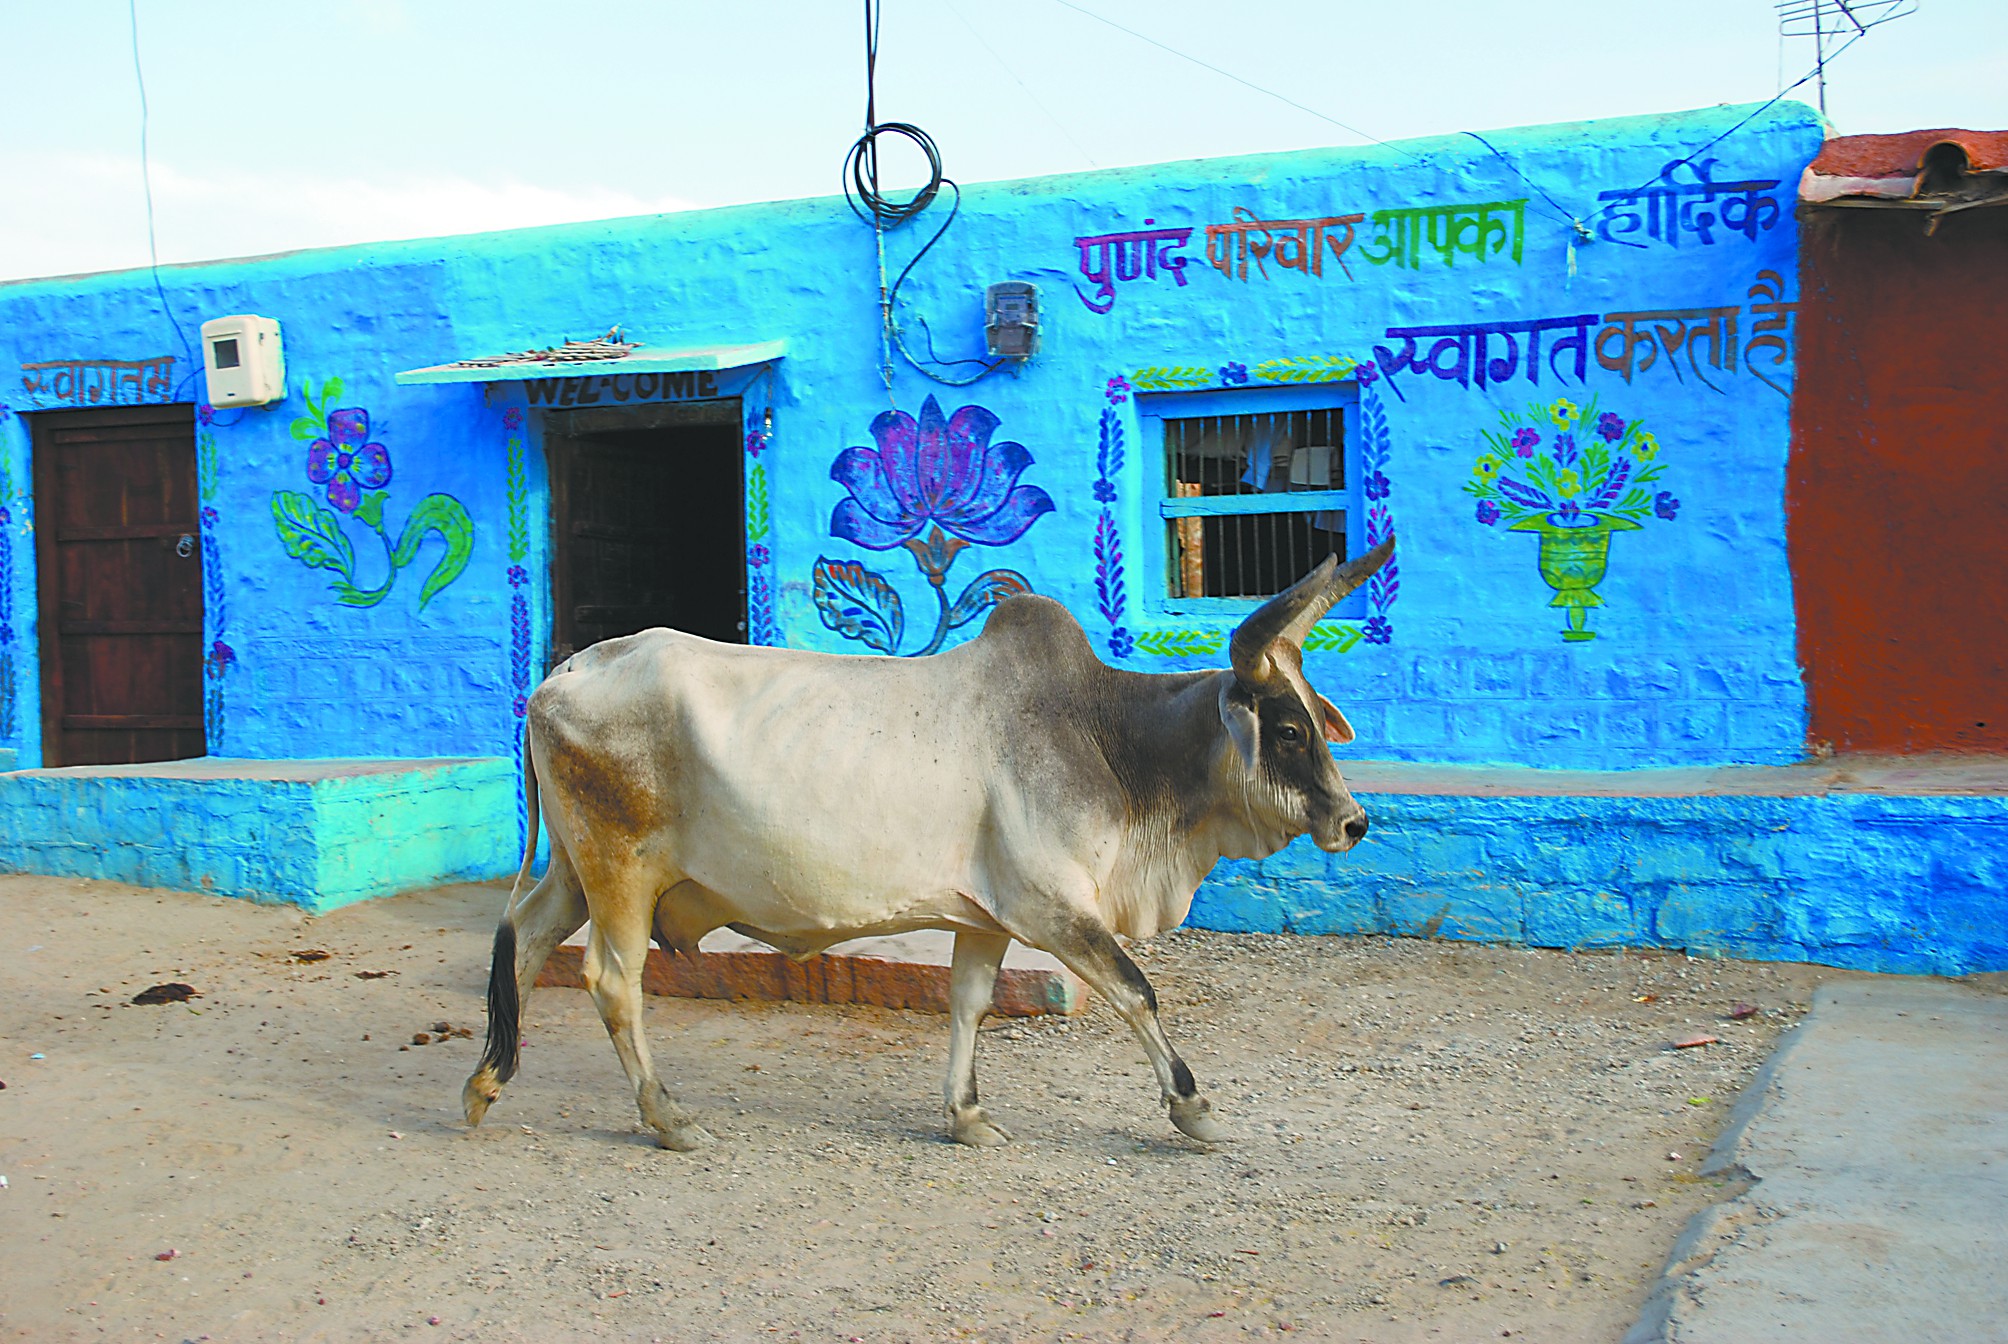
[{"x": 1351, "y": 829}]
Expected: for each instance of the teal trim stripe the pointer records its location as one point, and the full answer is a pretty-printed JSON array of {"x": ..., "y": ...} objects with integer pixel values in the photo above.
[{"x": 1225, "y": 506}]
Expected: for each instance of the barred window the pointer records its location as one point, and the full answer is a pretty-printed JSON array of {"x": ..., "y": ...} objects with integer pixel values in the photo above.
[{"x": 1258, "y": 489}]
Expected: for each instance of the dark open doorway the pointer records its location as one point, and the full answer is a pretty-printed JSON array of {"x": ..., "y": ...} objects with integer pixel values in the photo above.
[
  {"x": 118, "y": 547},
  {"x": 649, "y": 523}
]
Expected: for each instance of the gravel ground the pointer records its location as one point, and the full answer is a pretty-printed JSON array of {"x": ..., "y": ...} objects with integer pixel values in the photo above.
[{"x": 1436, "y": 1141}]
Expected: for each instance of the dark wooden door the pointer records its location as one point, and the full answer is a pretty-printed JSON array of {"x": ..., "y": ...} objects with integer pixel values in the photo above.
[
  {"x": 119, "y": 553},
  {"x": 650, "y": 531}
]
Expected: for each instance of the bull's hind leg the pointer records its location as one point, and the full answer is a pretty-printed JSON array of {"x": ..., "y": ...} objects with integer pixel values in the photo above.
[
  {"x": 531, "y": 928},
  {"x": 616, "y": 950},
  {"x": 1092, "y": 952},
  {"x": 972, "y": 979}
]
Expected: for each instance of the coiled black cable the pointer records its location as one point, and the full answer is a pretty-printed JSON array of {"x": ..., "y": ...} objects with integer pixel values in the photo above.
[{"x": 861, "y": 184}]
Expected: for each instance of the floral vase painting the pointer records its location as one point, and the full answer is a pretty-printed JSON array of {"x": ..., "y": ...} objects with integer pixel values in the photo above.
[
  {"x": 1574, "y": 477},
  {"x": 351, "y": 469},
  {"x": 933, "y": 487}
]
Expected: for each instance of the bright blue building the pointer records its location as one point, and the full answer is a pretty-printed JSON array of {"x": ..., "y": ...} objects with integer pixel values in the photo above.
[{"x": 1556, "y": 362}]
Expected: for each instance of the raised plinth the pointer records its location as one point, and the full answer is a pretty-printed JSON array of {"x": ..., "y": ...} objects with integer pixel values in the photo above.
[
  {"x": 314, "y": 833},
  {"x": 909, "y": 970},
  {"x": 1874, "y": 864}
]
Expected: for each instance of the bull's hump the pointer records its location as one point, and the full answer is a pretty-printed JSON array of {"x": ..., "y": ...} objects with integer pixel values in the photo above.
[{"x": 1031, "y": 625}]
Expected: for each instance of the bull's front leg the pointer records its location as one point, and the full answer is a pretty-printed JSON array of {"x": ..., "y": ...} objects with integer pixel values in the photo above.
[
  {"x": 972, "y": 981},
  {"x": 1090, "y": 951}
]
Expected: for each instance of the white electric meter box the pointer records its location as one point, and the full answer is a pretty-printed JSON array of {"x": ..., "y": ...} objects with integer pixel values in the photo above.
[{"x": 244, "y": 361}]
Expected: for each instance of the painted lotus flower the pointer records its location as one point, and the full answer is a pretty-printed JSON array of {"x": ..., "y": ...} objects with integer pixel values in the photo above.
[
  {"x": 346, "y": 462},
  {"x": 940, "y": 470}
]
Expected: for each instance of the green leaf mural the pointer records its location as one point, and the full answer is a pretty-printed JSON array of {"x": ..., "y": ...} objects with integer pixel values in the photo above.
[
  {"x": 1166, "y": 377},
  {"x": 312, "y": 534},
  {"x": 1181, "y": 643},
  {"x": 442, "y": 514},
  {"x": 351, "y": 468},
  {"x": 1306, "y": 369},
  {"x": 1333, "y": 636}
]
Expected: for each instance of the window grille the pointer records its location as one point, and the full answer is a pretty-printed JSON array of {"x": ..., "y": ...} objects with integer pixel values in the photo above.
[{"x": 1255, "y": 498}]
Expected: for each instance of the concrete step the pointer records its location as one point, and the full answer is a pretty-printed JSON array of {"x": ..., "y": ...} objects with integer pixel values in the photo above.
[{"x": 908, "y": 970}]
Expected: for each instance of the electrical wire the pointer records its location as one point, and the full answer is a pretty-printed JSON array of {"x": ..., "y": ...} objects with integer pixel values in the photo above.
[
  {"x": 1229, "y": 74},
  {"x": 146, "y": 185},
  {"x": 1580, "y": 224},
  {"x": 884, "y": 213}
]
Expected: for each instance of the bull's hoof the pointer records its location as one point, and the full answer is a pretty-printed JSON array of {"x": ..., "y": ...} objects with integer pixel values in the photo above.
[
  {"x": 977, "y": 1130},
  {"x": 684, "y": 1138},
  {"x": 1195, "y": 1119},
  {"x": 479, "y": 1094}
]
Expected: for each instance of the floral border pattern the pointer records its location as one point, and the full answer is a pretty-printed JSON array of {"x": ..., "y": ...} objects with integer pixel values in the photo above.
[
  {"x": 1111, "y": 591},
  {"x": 516, "y": 492},
  {"x": 219, "y": 658},
  {"x": 761, "y": 627},
  {"x": 10, "y": 500}
]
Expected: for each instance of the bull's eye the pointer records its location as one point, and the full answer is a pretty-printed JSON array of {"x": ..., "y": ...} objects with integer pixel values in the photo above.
[{"x": 1290, "y": 732}]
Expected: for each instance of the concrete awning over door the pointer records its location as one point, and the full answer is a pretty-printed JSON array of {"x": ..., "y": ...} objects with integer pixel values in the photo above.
[{"x": 582, "y": 359}]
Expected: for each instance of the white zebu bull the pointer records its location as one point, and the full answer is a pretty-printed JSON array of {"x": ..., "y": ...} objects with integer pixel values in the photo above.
[{"x": 1015, "y": 787}]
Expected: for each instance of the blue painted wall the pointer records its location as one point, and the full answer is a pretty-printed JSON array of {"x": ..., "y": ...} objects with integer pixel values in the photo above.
[
  {"x": 1463, "y": 660},
  {"x": 1876, "y": 883}
]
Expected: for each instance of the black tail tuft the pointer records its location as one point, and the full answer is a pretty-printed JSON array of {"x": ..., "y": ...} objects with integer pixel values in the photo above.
[{"x": 504, "y": 1012}]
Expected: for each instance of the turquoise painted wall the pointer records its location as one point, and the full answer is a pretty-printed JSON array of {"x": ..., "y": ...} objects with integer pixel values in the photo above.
[{"x": 1462, "y": 659}]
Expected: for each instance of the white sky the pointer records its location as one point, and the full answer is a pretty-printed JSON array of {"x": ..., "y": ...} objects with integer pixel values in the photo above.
[{"x": 314, "y": 122}]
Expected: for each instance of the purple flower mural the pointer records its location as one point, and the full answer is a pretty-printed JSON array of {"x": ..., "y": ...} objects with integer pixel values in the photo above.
[
  {"x": 342, "y": 458},
  {"x": 1488, "y": 512},
  {"x": 345, "y": 462},
  {"x": 1525, "y": 441},
  {"x": 1665, "y": 505},
  {"x": 1233, "y": 374},
  {"x": 1610, "y": 427},
  {"x": 1119, "y": 390},
  {"x": 941, "y": 475},
  {"x": 944, "y": 471}
]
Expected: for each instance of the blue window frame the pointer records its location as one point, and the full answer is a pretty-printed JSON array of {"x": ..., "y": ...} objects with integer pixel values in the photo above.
[{"x": 1254, "y": 487}]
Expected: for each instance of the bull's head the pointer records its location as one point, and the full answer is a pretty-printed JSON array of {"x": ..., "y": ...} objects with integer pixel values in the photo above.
[{"x": 1279, "y": 725}]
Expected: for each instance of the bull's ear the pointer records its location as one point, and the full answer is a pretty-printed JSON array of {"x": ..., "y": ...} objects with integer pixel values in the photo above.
[
  {"x": 1336, "y": 728},
  {"x": 1238, "y": 718}
]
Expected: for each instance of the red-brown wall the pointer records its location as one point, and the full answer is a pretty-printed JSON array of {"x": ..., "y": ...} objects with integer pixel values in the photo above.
[{"x": 1897, "y": 495}]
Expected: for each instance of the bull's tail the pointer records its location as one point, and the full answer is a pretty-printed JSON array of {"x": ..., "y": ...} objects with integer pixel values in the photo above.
[{"x": 505, "y": 1003}]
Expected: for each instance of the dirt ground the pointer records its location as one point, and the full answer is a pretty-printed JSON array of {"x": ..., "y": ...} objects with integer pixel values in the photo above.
[{"x": 1435, "y": 1142}]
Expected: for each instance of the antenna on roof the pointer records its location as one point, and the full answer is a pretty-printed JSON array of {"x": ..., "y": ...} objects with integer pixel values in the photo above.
[{"x": 1832, "y": 22}]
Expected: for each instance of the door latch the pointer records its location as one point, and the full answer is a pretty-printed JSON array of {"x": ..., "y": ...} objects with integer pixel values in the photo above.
[{"x": 185, "y": 547}]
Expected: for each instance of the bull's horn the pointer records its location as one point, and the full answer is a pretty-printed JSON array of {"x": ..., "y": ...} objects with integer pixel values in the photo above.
[{"x": 1290, "y": 614}]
